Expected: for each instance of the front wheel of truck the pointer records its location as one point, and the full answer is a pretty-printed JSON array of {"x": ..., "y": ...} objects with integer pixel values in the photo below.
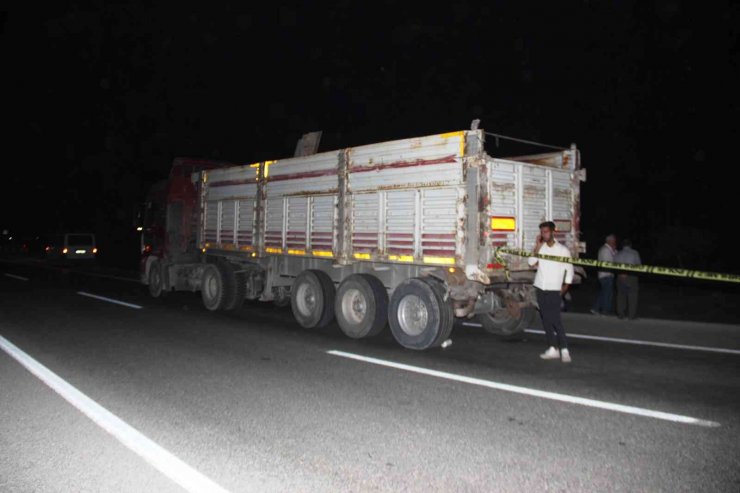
[{"x": 156, "y": 279}]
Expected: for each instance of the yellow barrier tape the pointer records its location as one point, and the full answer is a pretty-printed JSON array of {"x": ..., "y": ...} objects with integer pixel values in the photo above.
[
  {"x": 500, "y": 259},
  {"x": 646, "y": 269}
]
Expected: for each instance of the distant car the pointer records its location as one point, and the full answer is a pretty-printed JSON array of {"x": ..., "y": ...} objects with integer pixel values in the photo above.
[
  {"x": 71, "y": 246},
  {"x": 12, "y": 244}
]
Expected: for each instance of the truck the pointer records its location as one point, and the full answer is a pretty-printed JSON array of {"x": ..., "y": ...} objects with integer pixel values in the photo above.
[{"x": 400, "y": 234}]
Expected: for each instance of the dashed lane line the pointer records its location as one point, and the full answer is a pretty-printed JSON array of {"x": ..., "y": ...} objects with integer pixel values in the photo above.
[
  {"x": 13, "y": 276},
  {"x": 109, "y": 300}
]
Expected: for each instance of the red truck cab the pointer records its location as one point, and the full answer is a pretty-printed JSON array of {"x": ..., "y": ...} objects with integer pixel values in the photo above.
[{"x": 168, "y": 218}]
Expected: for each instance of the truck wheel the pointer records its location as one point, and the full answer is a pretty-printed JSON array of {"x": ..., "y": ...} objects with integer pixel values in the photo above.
[
  {"x": 156, "y": 279},
  {"x": 448, "y": 321},
  {"x": 503, "y": 324},
  {"x": 361, "y": 306},
  {"x": 281, "y": 297},
  {"x": 239, "y": 281},
  {"x": 312, "y": 299},
  {"x": 216, "y": 287},
  {"x": 418, "y": 315}
]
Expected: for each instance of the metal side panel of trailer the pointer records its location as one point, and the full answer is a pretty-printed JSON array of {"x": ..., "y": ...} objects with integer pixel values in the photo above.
[
  {"x": 229, "y": 205},
  {"x": 399, "y": 202}
]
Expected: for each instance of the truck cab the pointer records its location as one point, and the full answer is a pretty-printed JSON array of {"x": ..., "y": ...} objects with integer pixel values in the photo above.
[{"x": 168, "y": 218}]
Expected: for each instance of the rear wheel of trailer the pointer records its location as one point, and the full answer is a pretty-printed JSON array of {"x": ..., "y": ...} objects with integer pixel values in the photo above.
[
  {"x": 312, "y": 299},
  {"x": 361, "y": 306},
  {"x": 505, "y": 324},
  {"x": 418, "y": 314}
]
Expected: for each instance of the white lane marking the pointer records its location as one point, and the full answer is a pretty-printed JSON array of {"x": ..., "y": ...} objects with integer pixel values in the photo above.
[
  {"x": 645, "y": 343},
  {"x": 164, "y": 461},
  {"x": 20, "y": 278},
  {"x": 635, "y": 342},
  {"x": 677, "y": 418},
  {"x": 109, "y": 300}
]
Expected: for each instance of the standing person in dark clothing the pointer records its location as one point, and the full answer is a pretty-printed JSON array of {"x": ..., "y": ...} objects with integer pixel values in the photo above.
[
  {"x": 551, "y": 283},
  {"x": 604, "y": 304},
  {"x": 627, "y": 284}
]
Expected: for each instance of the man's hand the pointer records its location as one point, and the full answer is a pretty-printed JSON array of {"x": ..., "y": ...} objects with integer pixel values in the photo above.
[
  {"x": 564, "y": 289},
  {"x": 538, "y": 244}
]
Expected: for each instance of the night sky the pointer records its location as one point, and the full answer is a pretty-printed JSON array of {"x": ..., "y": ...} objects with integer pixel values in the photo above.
[{"x": 100, "y": 98}]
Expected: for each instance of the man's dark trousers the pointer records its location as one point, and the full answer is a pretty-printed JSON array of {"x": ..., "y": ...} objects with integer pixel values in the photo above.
[
  {"x": 549, "y": 302},
  {"x": 605, "y": 299},
  {"x": 627, "y": 291}
]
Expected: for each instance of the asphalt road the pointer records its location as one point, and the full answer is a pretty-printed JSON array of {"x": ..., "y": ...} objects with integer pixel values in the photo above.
[{"x": 252, "y": 402}]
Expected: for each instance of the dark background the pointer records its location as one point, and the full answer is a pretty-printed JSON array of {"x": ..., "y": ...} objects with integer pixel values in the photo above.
[{"x": 100, "y": 98}]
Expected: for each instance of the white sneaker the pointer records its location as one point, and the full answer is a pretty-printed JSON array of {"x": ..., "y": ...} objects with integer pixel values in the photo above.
[
  {"x": 551, "y": 353},
  {"x": 565, "y": 356}
]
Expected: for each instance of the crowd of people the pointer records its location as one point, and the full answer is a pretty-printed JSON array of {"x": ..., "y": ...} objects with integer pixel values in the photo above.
[{"x": 625, "y": 284}]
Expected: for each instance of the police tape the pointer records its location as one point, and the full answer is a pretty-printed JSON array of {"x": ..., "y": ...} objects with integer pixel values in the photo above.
[{"x": 646, "y": 269}]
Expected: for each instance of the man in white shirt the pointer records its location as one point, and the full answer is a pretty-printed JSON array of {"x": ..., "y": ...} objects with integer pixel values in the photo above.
[
  {"x": 551, "y": 283},
  {"x": 604, "y": 304}
]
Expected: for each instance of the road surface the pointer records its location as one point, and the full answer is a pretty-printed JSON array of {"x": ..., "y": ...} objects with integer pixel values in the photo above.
[{"x": 105, "y": 389}]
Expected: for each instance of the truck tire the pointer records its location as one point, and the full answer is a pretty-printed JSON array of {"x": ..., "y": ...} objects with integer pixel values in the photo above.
[
  {"x": 448, "y": 321},
  {"x": 419, "y": 316},
  {"x": 217, "y": 287},
  {"x": 361, "y": 306},
  {"x": 156, "y": 279},
  {"x": 502, "y": 324},
  {"x": 239, "y": 281},
  {"x": 312, "y": 299},
  {"x": 281, "y": 297}
]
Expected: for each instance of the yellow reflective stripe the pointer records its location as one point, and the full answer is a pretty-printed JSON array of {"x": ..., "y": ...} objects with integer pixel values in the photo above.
[
  {"x": 459, "y": 133},
  {"x": 439, "y": 260},
  {"x": 401, "y": 258},
  {"x": 267, "y": 167},
  {"x": 321, "y": 253},
  {"x": 362, "y": 256},
  {"x": 273, "y": 250}
]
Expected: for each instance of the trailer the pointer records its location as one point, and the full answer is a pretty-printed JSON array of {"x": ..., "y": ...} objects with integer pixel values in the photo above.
[{"x": 398, "y": 234}]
